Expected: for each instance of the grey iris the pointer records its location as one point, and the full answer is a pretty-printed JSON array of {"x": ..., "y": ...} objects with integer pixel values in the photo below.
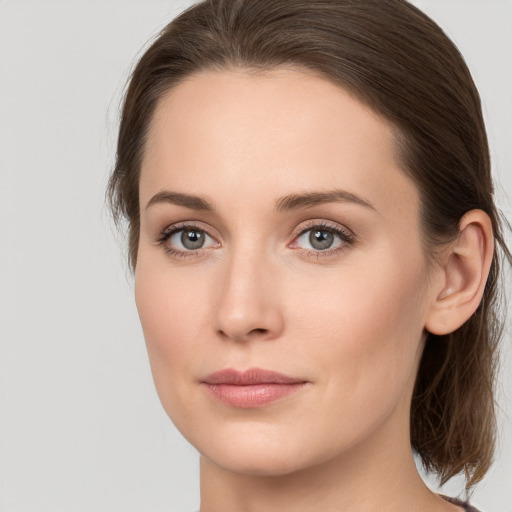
[
  {"x": 192, "y": 239},
  {"x": 321, "y": 239}
]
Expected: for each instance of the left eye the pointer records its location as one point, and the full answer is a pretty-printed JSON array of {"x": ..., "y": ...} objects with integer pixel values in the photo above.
[
  {"x": 190, "y": 239},
  {"x": 319, "y": 238}
]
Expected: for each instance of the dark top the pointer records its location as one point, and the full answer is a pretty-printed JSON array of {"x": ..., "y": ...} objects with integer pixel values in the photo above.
[{"x": 464, "y": 504}]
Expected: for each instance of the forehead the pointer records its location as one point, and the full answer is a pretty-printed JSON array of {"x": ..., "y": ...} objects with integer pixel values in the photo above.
[{"x": 281, "y": 131}]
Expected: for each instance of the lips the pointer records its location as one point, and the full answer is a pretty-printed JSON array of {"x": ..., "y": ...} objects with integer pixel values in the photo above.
[{"x": 254, "y": 387}]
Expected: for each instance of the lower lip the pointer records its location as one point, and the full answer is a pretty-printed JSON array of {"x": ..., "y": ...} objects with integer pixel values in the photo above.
[{"x": 253, "y": 395}]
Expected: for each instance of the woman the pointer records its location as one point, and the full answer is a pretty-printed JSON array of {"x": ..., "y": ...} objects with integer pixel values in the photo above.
[{"x": 316, "y": 251}]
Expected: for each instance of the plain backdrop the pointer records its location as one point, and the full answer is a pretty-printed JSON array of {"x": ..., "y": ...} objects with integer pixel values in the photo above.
[{"x": 81, "y": 428}]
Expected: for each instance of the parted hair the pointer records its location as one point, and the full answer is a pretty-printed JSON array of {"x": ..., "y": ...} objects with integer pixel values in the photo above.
[{"x": 396, "y": 60}]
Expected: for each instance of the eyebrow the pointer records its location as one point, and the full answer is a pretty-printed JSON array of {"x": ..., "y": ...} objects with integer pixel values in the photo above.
[
  {"x": 310, "y": 199},
  {"x": 286, "y": 203},
  {"x": 177, "y": 198}
]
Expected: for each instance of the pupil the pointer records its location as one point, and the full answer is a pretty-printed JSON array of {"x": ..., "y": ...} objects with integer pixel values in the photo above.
[
  {"x": 321, "y": 239},
  {"x": 192, "y": 239}
]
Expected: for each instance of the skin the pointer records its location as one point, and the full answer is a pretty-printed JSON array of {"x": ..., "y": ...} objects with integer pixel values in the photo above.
[{"x": 350, "y": 322}]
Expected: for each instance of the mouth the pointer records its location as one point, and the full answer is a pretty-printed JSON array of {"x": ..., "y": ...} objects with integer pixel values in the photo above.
[{"x": 252, "y": 388}]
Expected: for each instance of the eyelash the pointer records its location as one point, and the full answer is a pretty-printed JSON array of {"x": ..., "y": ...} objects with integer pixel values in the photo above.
[{"x": 347, "y": 238}]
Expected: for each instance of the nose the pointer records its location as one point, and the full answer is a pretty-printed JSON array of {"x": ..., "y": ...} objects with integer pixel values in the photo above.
[{"x": 248, "y": 306}]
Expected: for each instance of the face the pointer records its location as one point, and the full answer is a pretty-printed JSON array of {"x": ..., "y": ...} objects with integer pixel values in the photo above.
[{"x": 279, "y": 234}]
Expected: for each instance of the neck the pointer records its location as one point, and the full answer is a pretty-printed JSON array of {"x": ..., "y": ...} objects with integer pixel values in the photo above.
[{"x": 378, "y": 475}]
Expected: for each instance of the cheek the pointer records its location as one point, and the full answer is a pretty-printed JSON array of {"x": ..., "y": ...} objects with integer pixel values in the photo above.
[
  {"x": 172, "y": 314},
  {"x": 364, "y": 328},
  {"x": 361, "y": 335}
]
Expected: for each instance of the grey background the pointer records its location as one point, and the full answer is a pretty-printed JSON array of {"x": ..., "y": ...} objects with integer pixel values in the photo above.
[{"x": 81, "y": 428}]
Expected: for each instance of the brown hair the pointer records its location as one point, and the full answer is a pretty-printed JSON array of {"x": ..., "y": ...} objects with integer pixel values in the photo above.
[{"x": 395, "y": 59}]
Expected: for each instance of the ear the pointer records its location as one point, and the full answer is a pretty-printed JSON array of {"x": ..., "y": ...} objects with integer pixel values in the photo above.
[{"x": 463, "y": 271}]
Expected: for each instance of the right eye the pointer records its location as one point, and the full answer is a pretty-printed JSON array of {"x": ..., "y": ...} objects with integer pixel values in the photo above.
[
  {"x": 190, "y": 239},
  {"x": 186, "y": 241}
]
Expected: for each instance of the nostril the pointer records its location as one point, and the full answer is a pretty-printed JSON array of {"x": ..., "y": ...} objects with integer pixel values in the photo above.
[{"x": 259, "y": 331}]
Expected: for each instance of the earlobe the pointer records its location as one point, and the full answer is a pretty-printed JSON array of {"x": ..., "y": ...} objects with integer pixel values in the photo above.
[{"x": 463, "y": 273}]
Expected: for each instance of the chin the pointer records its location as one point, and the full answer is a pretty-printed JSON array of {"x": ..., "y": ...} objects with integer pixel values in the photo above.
[
  {"x": 255, "y": 461},
  {"x": 258, "y": 450}
]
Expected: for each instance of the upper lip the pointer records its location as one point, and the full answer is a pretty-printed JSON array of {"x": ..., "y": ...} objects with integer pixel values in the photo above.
[{"x": 249, "y": 376}]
